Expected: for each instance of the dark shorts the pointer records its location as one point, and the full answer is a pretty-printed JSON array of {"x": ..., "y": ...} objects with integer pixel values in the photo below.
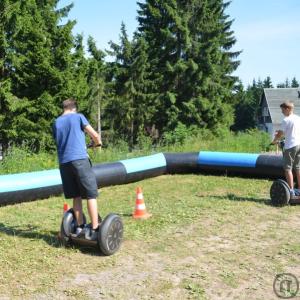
[
  {"x": 291, "y": 158},
  {"x": 78, "y": 179}
]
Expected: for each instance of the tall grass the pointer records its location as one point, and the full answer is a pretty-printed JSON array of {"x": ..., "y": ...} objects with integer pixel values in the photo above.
[{"x": 23, "y": 160}]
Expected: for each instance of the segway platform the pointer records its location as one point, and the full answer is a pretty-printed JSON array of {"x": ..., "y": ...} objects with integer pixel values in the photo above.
[
  {"x": 109, "y": 237},
  {"x": 280, "y": 194}
]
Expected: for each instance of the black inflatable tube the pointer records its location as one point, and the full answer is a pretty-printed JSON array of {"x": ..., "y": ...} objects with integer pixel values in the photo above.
[{"x": 31, "y": 186}]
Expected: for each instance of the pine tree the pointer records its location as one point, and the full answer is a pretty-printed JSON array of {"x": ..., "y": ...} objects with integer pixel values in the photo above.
[
  {"x": 164, "y": 30},
  {"x": 119, "y": 73},
  {"x": 267, "y": 83},
  {"x": 210, "y": 84},
  {"x": 131, "y": 96},
  {"x": 245, "y": 108},
  {"x": 191, "y": 65},
  {"x": 41, "y": 69},
  {"x": 136, "y": 92},
  {"x": 294, "y": 83},
  {"x": 96, "y": 80}
]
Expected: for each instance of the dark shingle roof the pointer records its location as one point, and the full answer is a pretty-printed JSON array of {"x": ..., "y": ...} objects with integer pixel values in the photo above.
[{"x": 275, "y": 97}]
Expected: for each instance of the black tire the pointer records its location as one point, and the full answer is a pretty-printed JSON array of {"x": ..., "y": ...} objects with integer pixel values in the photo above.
[
  {"x": 110, "y": 234},
  {"x": 280, "y": 193},
  {"x": 68, "y": 225}
]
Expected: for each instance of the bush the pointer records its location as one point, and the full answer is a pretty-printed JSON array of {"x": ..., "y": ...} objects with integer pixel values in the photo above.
[
  {"x": 178, "y": 136},
  {"x": 182, "y": 139},
  {"x": 22, "y": 159}
]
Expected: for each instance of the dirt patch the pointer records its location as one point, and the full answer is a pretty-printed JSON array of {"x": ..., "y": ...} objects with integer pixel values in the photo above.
[{"x": 229, "y": 262}]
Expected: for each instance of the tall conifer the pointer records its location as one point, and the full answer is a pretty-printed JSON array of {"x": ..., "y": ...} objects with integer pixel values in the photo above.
[
  {"x": 40, "y": 68},
  {"x": 191, "y": 62}
]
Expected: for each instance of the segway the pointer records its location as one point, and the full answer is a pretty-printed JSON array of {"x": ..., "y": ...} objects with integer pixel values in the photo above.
[
  {"x": 280, "y": 194},
  {"x": 109, "y": 237}
]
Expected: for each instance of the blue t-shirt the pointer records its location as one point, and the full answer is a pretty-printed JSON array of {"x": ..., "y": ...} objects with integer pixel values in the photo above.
[{"x": 68, "y": 132}]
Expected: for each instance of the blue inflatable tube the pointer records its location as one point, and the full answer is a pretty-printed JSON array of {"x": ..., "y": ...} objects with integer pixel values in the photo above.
[{"x": 16, "y": 188}]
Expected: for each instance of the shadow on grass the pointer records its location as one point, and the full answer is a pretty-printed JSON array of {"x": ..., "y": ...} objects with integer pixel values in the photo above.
[
  {"x": 233, "y": 197},
  {"x": 31, "y": 232},
  {"x": 51, "y": 239}
]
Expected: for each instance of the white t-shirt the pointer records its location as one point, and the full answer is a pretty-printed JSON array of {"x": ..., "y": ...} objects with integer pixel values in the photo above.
[{"x": 291, "y": 128}]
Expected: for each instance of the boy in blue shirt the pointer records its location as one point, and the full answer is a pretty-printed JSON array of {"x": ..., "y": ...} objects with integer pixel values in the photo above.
[{"x": 78, "y": 178}]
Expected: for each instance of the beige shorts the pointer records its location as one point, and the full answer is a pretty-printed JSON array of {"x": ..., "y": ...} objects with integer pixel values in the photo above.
[{"x": 291, "y": 158}]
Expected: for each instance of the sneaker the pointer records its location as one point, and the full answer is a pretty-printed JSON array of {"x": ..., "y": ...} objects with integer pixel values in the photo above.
[
  {"x": 297, "y": 192},
  {"x": 79, "y": 230},
  {"x": 292, "y": 193},
  {"x": 92, "y": 234}
]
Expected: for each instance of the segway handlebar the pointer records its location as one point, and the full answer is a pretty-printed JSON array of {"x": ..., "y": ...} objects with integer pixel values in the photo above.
[{"x": 92, "y": 145}]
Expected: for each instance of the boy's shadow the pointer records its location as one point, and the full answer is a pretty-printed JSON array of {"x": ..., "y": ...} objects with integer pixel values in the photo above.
[
  {"x": 31, "y": 232},
  {"x": 233, "y": 197},
  {"x": 51, "y": 238}
]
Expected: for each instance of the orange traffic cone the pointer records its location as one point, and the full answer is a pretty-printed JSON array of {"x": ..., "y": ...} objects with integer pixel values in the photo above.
[
  {"x": 66, "y": 207},
  {"x": 140, "y": 207}
]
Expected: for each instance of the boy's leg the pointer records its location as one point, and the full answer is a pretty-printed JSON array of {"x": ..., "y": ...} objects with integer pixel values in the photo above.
[
  {"x": 288, "y": 164},
  {"x": 297, "y": 165},
  {"x": 77, "y": 207},
  {"x": 297, "y": 172},
  {"x": 289, "y": 178},
  {"x": 88, "y": 188},
  {"x": 93, "y": 212}
]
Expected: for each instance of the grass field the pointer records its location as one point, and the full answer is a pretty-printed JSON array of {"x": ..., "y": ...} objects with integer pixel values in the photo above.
[{"x": 210, "y": 237}]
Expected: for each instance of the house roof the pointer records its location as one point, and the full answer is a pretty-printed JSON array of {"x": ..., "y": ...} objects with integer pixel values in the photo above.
[{"x": 275, "y": 97}]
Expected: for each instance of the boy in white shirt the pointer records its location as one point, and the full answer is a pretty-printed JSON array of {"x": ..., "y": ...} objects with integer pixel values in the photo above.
[{"x": 290, "y": 129}]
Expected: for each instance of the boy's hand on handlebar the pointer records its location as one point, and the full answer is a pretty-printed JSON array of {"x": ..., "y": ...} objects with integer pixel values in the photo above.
[{"x": 93, "y": 145}]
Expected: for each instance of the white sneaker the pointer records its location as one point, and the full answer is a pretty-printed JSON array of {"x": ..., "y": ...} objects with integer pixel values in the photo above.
[
  {"x": 78, "y": 230},
  {"x": 92, "y": 234},
  {"x": 292, "y": 193}
]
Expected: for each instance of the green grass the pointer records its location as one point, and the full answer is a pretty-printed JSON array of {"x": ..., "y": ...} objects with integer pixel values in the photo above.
[
  {"x": 208, "y": 237},
  {"x": 23, "y": 160},
  {"x": 234, "y": 217}
]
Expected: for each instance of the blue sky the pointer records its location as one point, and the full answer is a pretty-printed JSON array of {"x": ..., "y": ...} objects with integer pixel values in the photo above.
[{"x": 267, "y": 31}]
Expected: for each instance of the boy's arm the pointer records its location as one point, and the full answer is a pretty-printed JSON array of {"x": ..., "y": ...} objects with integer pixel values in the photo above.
[
  {"x": 278, "y": 135},
  {"x": 93, "y": 134}
]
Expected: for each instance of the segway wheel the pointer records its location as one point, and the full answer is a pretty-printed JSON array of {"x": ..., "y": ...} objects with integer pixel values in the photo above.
[
  {"x": 68, "y": 226},
  {"x": 280, "y": 193},
  {"x": 110, "y": 234}
]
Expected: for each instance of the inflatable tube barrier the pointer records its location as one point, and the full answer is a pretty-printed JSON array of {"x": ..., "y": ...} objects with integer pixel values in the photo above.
[{"x": 16, "y": 188}]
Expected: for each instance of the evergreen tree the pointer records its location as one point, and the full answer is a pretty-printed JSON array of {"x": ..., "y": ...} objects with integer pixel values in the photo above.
[
  {"x": 136, "y": 92},
  {"x": 40, "y": 69},
  {"x": 191, "y": 65},
  {"x": 131, "y": 88},
  {"x": 164, "y": 31},
  {"x": 119, "y": 70},
  {"x": 280, "y": 85},
  {"x": 96, "y": 80},
  {"x": 285, "y": 84},
  {"x": 267, "y": 83},
  {"x": 8, "y": 101},
  {"x": 209, "y": 81},
  {"x": 294, "y": 83},
  {"x": 79, "y": 86},
  {"x": 246, "y": 109}
]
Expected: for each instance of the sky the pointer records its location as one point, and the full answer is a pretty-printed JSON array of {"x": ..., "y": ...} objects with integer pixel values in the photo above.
[{"x": 267, "y": 32}]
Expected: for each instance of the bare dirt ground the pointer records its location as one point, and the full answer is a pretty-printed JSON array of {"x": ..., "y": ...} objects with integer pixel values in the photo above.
[{"x": 229, "y": 257}]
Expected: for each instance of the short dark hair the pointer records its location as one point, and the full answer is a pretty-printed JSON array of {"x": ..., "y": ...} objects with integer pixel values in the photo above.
[
  {"x": 69, "y": 103},
  {"x": 287, "y": 104}
]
